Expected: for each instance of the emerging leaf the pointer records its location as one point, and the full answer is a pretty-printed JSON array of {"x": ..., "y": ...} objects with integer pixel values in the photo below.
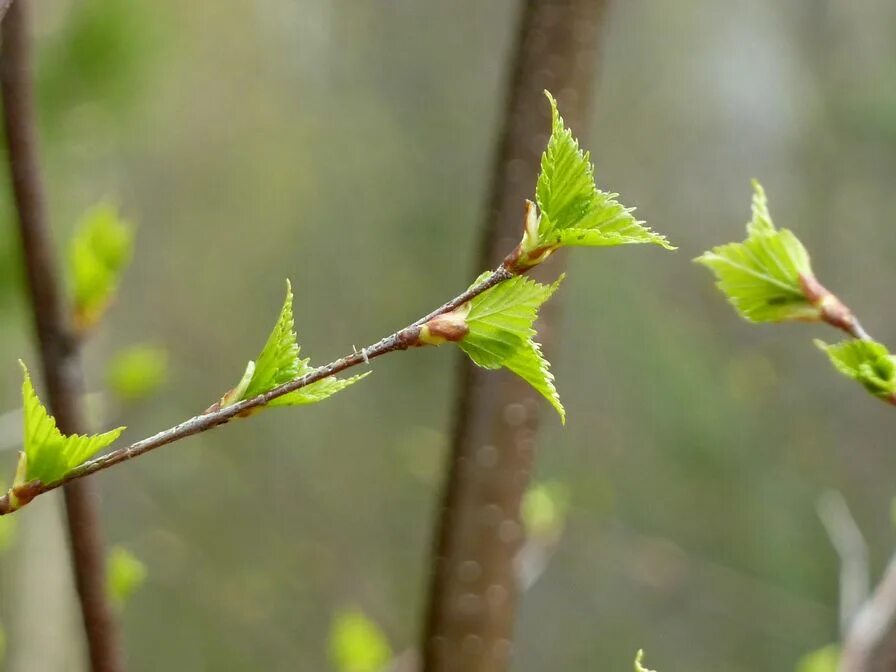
[
  {"x": 98, "y": 254},
  {"x": 48, "y": 454},
  {"x": 574, "y": 212},
  {"x": 765, "y": 277},
  {"x": 124, "y": 576},
  {"x": 638, "y": 658},
  {"x": 500, "y": 334},
  {"x": 357, "y": 644},
  {"x": 279, "y": 363},
  {"x": 867, "y": 362}
]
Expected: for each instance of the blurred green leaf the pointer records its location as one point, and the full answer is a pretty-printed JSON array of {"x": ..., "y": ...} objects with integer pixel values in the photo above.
[
  {"x": 98, "y": 253},
  {"x": 137, "y": 372},
  {"x": 98, "y": 55},
  {"x": 544, "y": 509},
  {"x": 49, "y": 454},
  {"x": 763, "y": 276},
  {"x": 279, "y": 363},
  {"x": 357, "y": 644},
  {"x": 500, "y": 333},
  {"x": 574, "y": 212},
  {"x": 866, "y": 362},
  {"x": 825, "y": 659},
  {"x": 638, "y": 658},
  {"x": 124, "y": 575}
]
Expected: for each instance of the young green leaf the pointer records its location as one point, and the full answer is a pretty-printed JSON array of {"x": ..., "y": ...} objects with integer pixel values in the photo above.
[
  {"x": 825, "y": 659},
  {"x": 357, "y": 644},
  {"x": 279, "y": 363},
  {"x": 98, "y": 254},
  {"x": 766, "y": 277},
  {"x": 137, "y": 371},
  {"x": 866, "y": 362},
  {"x": 124, "y": 576},
  {"x": 638, "y": 658},
  {"x": 544, "y": 509},
  {"x": 497, "y": 332},
  {"x": 48, "y": 454},
  {"x": 574, "y": 212}
]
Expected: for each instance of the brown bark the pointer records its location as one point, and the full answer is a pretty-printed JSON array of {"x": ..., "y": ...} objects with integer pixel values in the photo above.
[
  {"x": 473, "y": 592},
  {"x": 58, "y": 348}
]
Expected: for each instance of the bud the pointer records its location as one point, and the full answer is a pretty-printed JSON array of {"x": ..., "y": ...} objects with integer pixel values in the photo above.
[{"x": 446, "y": 327}]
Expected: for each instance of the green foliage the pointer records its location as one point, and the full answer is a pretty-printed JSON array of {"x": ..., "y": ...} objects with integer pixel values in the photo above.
[
  {"x": 49, "y": 454},
  {"x": 501, "y": 334},
  {"x": 638, "y": 658},
  {"x": 97, "y": 56},
  {"x": 825, "y": 659},
  {"x": 98, "y": 254},
  {"x": 279, "y": 363},
  {"x": 137, "y": 372},
  {"x": 357, "y": 644},
  {"x": 124, "y": 575},
  {"x": 763, "y": 276},
  {"x": 544, "y": 509},
  {"x": 574, "y": 212},
  {"x": 866, "y": 362}
]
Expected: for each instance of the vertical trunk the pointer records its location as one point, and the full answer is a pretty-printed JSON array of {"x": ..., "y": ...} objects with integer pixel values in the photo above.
[
  {"x": 473, "y": 591},
  {"x": 58, "y": 348}
]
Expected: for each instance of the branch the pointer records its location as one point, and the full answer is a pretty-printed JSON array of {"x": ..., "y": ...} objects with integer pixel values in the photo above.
[
  {"x": 847, "y": 540},
  {"x": 870, "y": 644},
  {"x": 400, "y": 340},
  {"x": 59, "y": 353}
]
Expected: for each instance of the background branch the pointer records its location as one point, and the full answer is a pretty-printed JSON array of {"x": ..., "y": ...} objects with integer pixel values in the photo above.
[
  {"x": 847, "y": 540},
  {"x": 58, "y": 350},
  {"x": 473, "y": 584}
]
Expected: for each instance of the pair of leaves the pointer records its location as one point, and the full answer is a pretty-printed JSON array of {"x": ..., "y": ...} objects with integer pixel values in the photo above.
[
  {"x": 867, "y": 362},
  {"x": 573, "y": 211},
  {"x": 763, "y": 277},
  {"x": 279, "y": 363},
  {"x": 98, "y": 253},
  {"x": 49, "y": 454},
  {"x": 500, "y": 333}
]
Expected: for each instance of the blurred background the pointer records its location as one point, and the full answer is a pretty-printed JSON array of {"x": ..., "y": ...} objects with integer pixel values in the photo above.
[{"x": 347, "y": 146}]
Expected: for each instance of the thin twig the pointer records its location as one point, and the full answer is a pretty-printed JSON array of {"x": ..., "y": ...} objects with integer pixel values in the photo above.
[
  {"x": 847, "y": 540},
  {"x": 59, "y": 352},
  {"x": 870, "y": 645},
  {"x": 400, "y": 340}
]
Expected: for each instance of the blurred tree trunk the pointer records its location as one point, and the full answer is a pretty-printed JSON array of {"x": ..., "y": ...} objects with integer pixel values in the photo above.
[
  {"x": 58, "y": 347},
  {"x": 473, "y": 590}
]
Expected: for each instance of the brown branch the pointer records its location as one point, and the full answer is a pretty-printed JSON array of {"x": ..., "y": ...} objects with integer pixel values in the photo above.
[
  {"x": 59, "y": 354},
  {"x": 400, "y": 340},
  {"x": 473, "y": 583}
]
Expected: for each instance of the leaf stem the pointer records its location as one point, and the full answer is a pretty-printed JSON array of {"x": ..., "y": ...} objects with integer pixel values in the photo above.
[{"x": 400, "y": 340}]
